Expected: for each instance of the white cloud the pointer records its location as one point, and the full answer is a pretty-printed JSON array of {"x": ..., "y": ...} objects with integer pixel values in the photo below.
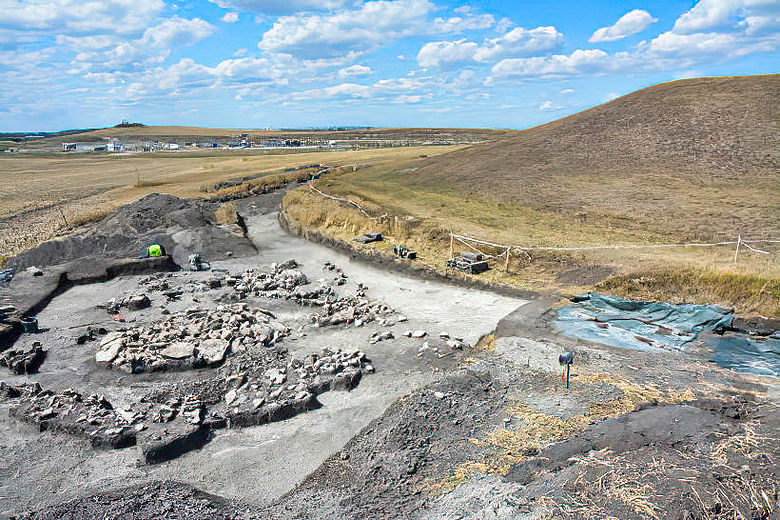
[
  {"x": 611, "y": 96},
  {"x": 439, "y": 54},
  {"x": 121, "y": 16},
  {"x": 231, "y": 17},
  {"x": 630, "y": 23},
  {"x": 568, "y": 91},
  {"x": 578, "y": 62},
  {"x": 354, "y": 70},
  {"x": 385, "y": 89},
  {"x": 692, "y": 44},
  {"x": 517, "y": 42},
  {"x": 285, "y": 6},
  {"x": 406, "y": 99},
  {"x": 177, "y": 31},
  {"x": 153, "y": 46},
  {"x": 734, "y": 30},
  {"x": 549, "y": 106},
  {"x": 312, "y": 36},
  {"x": 520, "y": 41},
  {"x": 459, "y": 24},
  {"x": 247, "y": 70},
  {"x": 374, "y": 24},
  {"x": 708, "y": 14}
]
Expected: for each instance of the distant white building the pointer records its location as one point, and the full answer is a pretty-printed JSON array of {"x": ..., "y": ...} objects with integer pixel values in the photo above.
[
  {"x": 171, "y": 146},
  {"x": 78, "y": 147},
  {"x": 115, "y": 146}
]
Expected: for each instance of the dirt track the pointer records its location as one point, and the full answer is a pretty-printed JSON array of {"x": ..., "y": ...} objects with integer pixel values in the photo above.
[{"x": 432, "y": 433}]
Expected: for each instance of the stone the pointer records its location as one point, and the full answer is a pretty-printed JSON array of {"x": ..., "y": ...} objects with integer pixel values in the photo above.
[
  {"x": 230, "y": 397},
  {"x": 178, "y": 350},
  {"x": 108, "y": 351},
  {"x": 138, "y": 302},
  {"x": 213, "y": 351},
  {"x": 439, "y": 395},
  {"x": 419, "y": 334}
]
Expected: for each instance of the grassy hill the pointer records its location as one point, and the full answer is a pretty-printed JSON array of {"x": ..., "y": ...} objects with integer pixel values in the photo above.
[
  {"x": 662, "y": 149},
  {"x": 690, "y": 160}
]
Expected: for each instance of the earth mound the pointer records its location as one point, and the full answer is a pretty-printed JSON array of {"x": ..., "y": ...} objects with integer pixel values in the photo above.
[{"x": 182, "y": 226}]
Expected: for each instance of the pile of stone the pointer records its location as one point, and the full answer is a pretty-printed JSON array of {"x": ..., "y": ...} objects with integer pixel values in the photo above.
[
  {"x": 357, "y": 310},
  {"x": 282, "y": 391},
  {"x": 92, "y": 416},
  {"x": 275, "y": 281},
  {"x": 191, "y": 339},
  {"x": 24, "y": 361}
]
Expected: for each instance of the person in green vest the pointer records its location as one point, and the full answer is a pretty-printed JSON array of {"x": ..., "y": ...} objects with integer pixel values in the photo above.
[{"x": 155, "y": 251}]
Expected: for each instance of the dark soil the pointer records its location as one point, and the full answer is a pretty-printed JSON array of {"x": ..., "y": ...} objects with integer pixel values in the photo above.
[
  {"x": 158, "y": 500},
  {"x": 181, "y": 226},
  {"x": 382, "y": 472}
]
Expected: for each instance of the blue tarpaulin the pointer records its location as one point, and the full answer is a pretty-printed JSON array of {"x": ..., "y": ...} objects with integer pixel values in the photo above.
[
  {"x": 625, "y": 323},
  {"x": 743, "y": 353}
]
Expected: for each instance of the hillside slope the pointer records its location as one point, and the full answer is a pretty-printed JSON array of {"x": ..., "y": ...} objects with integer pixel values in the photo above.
[{"x": 647, "y": 152}]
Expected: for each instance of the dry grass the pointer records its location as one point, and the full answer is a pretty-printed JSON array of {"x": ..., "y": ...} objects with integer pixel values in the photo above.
[
  {"x": 226, "y": 214},
  {"x": 486, "y": 343},
  {"x": 751, "y": 291},
  {"x": 422, "y": 221},
  {"x": 34, "y": 187},
  {"x": 537, "y": 430}
]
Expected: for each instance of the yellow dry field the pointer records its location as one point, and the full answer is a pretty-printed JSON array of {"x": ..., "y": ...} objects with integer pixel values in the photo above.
[{"x": 40, "y": 194}]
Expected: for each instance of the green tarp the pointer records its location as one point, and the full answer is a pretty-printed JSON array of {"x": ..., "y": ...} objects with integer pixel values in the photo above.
[{"x": 625, "y": 323}]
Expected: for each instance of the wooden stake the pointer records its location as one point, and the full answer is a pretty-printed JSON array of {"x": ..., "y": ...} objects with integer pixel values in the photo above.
[
  {"x": 63, "y": 217},
  {"x": 739, "y": 241},
  {"x": 506, "y": 265},
  {"x": 452, "y": 245}
]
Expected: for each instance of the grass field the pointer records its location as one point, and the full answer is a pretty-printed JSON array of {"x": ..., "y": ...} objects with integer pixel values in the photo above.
[
  {"x": 43, "y": 194},
  {"x": 426, "y": 217}
]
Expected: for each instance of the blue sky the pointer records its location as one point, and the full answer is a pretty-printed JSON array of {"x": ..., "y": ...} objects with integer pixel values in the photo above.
[{"x": 305, "y": 63}]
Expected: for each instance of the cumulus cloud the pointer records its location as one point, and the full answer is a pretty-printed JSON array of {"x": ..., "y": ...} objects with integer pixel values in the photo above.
[
  {"x": 321, "y": 36},
  {"x": 390, "y": 89},
  {"x": 231, "y": 17},
  {"x": 285, "y": 6},
  {"x": 578, "y": 62},
  {"x": 711, "y": 30},
  {"x": 374, "y": 24},
  {"x": 177, "y": 31},
  {"x": 520, "y": 41},
  {"x": 119, "y": 16},
  {"x": 517, "y": 42},
  {"x": 105, "y": 53},
  {"x": 630, "y": 23},
  {"x": 354, "y": 70},
  {"x": 442, "y": 54},
  {"x": 708, "y": 14},
  {"x": 458, "y": 24}
]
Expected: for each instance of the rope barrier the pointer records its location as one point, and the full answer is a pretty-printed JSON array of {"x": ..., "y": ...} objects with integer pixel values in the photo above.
[{"x": 621, "y": 246}]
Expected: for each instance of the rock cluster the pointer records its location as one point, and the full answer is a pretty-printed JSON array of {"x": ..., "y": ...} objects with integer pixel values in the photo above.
[
  {"x": 92, "y": 416},
  {"x": 283, "y": 390},
  {"x": 357, "y": 310},
  {"x": 286, "y": 282},
  {"x": 191, "y": 339},
  {"x": 24, "y": 361}
]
